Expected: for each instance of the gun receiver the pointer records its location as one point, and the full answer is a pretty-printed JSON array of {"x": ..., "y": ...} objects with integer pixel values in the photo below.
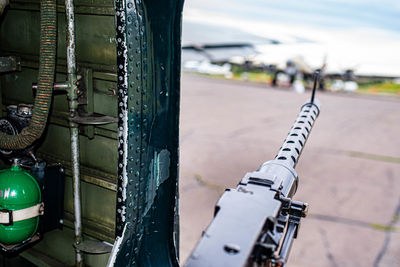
[{"x": 256, "y": 223}]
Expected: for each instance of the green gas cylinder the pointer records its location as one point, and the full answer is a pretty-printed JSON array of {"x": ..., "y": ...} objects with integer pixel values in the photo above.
[{"x": 18, "y": 191}]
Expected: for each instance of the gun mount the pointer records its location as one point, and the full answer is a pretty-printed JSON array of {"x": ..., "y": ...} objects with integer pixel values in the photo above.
[{"x": 256, "y": 223}]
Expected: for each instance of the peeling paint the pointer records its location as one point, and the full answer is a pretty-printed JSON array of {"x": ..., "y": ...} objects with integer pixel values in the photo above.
[
  {"x": 159, "y": 173},
  {"x": 115, "y": 249}
]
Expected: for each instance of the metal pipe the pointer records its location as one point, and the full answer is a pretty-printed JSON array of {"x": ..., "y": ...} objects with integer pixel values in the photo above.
[
  {"x": 287, "y": 243},
  {"x": 71, "y": 60},
  {"x": 74, "y": 130},
  {"x": 76, "y": 193},
  {"x": 56, "y": 86}
]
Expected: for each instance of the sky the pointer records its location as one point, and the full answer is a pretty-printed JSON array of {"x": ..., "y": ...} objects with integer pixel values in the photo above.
[
  {"x": 363, "y": 35},
  {"x": 382, "y": 14}
]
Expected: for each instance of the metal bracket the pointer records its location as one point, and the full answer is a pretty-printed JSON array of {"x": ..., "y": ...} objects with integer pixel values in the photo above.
[
  {"x": 258, "y": 178},
  {"x": 93, "y": 119},
  {"x": 9, "y": 64},
  {"x": 85, "y": 98},
  {"x": 93, "y": 247},
  {"x": 17, "y": 247},
  {"x": 295, "y": 209}
]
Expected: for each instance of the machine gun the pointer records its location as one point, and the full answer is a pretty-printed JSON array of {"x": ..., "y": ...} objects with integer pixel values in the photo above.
[{"x": 256, "y": 223}]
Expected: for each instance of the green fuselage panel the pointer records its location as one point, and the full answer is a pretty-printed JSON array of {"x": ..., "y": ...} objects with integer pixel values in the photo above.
[
  {"x": 129, "y": 55},
  {"x": 148, "y": 47}
]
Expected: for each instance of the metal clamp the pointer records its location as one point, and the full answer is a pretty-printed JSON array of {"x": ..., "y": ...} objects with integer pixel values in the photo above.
[
  {"x": 10, "y": 217},
  {"x": 294, "y": 208}
]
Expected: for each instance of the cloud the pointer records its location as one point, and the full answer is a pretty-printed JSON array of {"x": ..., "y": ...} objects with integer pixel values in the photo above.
[
  {"x": 334, "y": 14},
  {"x": 368, "y": 49}
]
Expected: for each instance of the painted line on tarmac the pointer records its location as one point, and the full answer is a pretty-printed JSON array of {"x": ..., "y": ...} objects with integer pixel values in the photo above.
[
  {"x": 363, "y": 155},
  {"x": 374, "y": 226},
  {"x": 376, "y": 157},
  {"x": 388, "y": 237},
  {"x": 210, "y": 185}
]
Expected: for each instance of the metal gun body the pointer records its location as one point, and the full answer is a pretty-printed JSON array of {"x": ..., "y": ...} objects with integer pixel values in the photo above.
[{"x": 255, "y": 224}]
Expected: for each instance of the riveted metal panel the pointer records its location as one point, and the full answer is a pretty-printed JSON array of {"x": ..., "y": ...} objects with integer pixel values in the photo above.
[{"x": 148, "y": 47}]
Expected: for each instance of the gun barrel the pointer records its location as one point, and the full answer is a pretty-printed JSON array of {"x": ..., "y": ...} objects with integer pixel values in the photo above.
[{"x": 294, "y": 143}]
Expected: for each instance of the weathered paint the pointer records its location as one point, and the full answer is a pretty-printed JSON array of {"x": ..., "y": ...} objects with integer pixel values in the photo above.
[{"x": 148, "y": 52}]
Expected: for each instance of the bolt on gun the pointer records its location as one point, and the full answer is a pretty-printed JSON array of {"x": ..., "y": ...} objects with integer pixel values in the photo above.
[{"x": 256, "y": 223}]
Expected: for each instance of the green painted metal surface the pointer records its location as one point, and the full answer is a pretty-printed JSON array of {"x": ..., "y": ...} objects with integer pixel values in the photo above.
[
  {"x": 18, "y": 190},
  {"x": 96, "y": 50},
  {"x": 148, "y": 47},
  {"x": 129, "y": 171}
]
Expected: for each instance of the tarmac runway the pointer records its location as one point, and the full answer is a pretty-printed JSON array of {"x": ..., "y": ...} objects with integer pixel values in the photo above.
[{"x": 349, "y": 171}]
